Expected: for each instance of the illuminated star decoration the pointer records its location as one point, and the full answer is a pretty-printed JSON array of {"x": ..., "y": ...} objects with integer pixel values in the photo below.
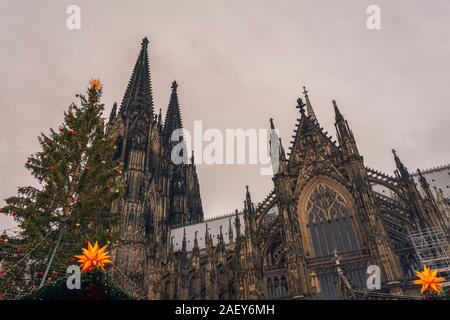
[
  {"x": 428, "y": 280},
  {"x": 95, "y": 84},
  {"x": 93, "y": 257}
]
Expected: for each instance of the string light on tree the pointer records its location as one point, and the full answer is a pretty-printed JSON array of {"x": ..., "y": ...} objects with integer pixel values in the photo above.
[{"x": 72, "y": 160}]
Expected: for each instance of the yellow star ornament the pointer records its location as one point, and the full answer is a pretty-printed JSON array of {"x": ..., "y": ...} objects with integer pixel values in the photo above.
[
  {"x": 93, "y": 257},
  {"x": 428, "y": 280},
  {"x": 95, "y": 84}
]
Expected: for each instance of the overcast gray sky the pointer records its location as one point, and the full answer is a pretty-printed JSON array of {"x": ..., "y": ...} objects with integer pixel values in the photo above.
[{"x": 237, "y": 63}]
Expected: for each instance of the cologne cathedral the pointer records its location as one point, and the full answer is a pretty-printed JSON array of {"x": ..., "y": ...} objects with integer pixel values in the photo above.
[{"x": 312, "y": 237}]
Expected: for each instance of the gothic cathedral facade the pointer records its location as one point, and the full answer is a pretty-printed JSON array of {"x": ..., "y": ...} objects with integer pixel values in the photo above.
[{"x": 312, "y": 237}]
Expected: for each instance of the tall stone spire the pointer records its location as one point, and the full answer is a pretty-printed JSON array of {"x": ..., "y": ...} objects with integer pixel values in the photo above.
[
  {"x": 344, "y": 133},
  {"x": 113, "y": 114},
  {"x": 173, "y": 116},
  {"x": 309, "y": 109},
  {"x": 183, "y": 246},
  {"x": 277, "y": 153},
  {"x": 248, "y": 200},
  {"x": 138, "y": 95},
  {"x": 338, "y": 114},
  {"x": 230, "y": 231},
  {"x": 342, "y": 129},
  {"x": 401, "y": 167},
  {"x": 237, "y": 224},
  {"x": 196, "y": 249}
]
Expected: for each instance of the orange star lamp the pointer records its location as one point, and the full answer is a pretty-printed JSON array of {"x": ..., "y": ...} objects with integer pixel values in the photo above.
[
  {"x": 429, "y": 280},
  {"x": 93, "y": 258}
]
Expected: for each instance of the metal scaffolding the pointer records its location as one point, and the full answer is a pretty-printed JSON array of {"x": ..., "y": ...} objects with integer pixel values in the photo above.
[{"x": 432, "y": 249}]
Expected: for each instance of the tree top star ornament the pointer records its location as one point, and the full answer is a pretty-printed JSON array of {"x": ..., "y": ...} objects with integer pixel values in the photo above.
[
  {"x": 93, "y": 258},
  {"x": 95, "y": 84},
  {"x": 429, "y": 280}
]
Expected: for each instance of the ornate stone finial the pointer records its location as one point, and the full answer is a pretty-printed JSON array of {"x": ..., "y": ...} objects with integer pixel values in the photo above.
[
  {"x": 174, "y": 85},
  {"x": 183, "y": 245},
  {"x": 305, "y": 92},
  {"x": 272, "y": 126},
  {"x": 398, "y": 162},
  {"x": 300, "y": 105},
  {"x": 144, "y": 42},
  {"x": 159, "y": 116},
  {"x": 206, "y": 232},
  {"x": 336, "y": 257},
  {"x": 230, "y": 230}
]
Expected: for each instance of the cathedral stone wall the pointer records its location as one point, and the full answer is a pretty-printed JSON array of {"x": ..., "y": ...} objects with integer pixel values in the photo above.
[{"x": 327, "y": 219}]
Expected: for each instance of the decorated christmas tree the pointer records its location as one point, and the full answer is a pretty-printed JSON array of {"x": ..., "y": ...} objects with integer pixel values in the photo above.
[{"x": 77, "y": 179}]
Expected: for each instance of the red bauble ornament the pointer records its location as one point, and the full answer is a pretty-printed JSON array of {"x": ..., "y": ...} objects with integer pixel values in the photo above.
[
  {"x": 53, "y": 168},
  {"x": 72, "y": 259},
  {"x": 14, "y": 213},
  {"x": 78, "y": 201},
  {"x": 40, "y": 274},
  {"x": 110, "y": 234},
  {"x": 87, "y": 168}
]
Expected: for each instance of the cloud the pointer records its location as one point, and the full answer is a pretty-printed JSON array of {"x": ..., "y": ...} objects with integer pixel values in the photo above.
[{"x": 238, "y": 63}]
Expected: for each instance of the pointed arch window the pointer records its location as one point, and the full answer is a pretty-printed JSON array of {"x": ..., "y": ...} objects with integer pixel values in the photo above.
[{"x": 330, "y": 222}]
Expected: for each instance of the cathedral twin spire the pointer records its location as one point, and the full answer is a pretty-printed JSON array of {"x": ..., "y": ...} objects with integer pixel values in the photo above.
[
  {"x": 173, "y": 116},
  {"x": 138, "y": 95}
]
